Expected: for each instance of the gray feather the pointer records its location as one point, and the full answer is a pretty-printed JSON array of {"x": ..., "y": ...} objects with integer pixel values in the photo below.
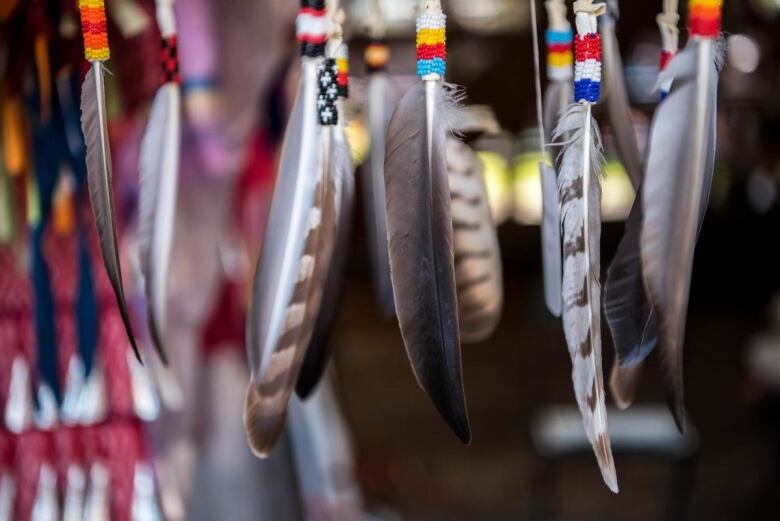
[
  {"x": 551, "y": 239},
  {"x": 381, "y": 100},
  {"x": 93, "y": 124},
  {"x": 618, "y": 107},
  {"x": 419, "y": 227},
  {"x": 557, "y": 98},
  {"x": 578, "y": 181},
  {"x": 159, "y": 168},
  {"x": 478, "y": 272},
  {"x": 291, "y": 270},
  {"x": 680, "y": 165},
  {"x": 318, "y": 353}
]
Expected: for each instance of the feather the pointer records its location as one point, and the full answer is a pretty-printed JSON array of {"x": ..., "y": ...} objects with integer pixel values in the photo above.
[
  {"x": 419, "y": 227},
  {"x": 618, "y": 108},
  {"x": 381, "y": 100},
  {"x": 578, "y": 181},
  {"x": 629, "y": 314},
  {"x": 551, "y": 239},
  {"x": 557, "y": 98},
  {"x": 680, "y": 165},
  {"x": 159, "y": 166},
  {"x": 93, "y": 124},
  {"x": 291, "y": 269},
  {"x": 317, "y": 355},
  {"x": 478, "y": 276}
]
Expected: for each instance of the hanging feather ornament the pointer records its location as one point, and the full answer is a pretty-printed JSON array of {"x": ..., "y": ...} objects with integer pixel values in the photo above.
[
  {"x": 295, "y": 258},
  {"x": 629, "y": 313},
  {"x": 419, "y": 226},
  {"x": 381, "y": 101},
  {"x": 580, "y": 193},
  {"x": 618, "y": 108},
  {"x": 318, "y": 352},
  {"x": 478, "y": 270},
  {"x": 94, "y": 126},
  {"x": 159, "y": 170},
  {"x": 676, "y": 191}
]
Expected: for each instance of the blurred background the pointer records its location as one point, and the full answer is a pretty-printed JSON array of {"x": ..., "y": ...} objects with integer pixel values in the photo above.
[{"x": 391, "y": 457}]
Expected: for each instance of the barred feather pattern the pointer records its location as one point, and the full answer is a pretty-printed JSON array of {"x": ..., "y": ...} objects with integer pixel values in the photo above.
[
  {"x": 680, "y": 165},
  {"x": 159, "y": 168},
  {"x": 419, "y": 227},
  {"x": 478, "y": 271},
  {"x": 99, "y": 179},
  {"x": 290, "y": 277},
  {"x": 580, "y": 194},
  {"x": 381, "y": 101}
]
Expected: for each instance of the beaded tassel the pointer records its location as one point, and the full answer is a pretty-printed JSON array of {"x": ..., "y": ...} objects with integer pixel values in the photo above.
[
  {"x": 704, "y": 18},
  {"x": 431, "y": 44},
  {"x": 377, "y": 55},
  {"x": 328, "y": 92},
  {"x": 560, "y": 58},
  {"x": 342, "y": 67},
  {"x": 312, "y": 27},
  {"x": 587, "y": 69},
  {"x": 93, "y": 24}
]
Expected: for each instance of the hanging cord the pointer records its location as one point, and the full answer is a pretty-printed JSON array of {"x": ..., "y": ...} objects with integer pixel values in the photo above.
[{"x": 537, "y": 80}]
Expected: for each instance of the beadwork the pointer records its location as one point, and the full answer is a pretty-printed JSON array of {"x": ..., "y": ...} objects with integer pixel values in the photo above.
[
  {"x": 377, "y": 55},
  {"x": 704, "y": 17},
  {"x": 93, "y": 27},
  {"x": 342, "y": 66},
  {"x": 587, "y": 68},
  {"x": 431, "y": 45},
  {"x": 311, "y": 27},
  {"x": 559, "y": 54},
  {"x": 169, "y": 61},
  {"x": 328, "y": 92}
]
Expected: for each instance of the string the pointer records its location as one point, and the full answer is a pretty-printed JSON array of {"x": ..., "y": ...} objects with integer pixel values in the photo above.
[{"x": 537, "y": 79}]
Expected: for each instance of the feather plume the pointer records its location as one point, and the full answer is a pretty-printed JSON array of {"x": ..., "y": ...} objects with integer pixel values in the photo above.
[
  {"x": 318, "y": 353},
  {"x": 292, "y": 268},
  {"x": 676, "y": 190},
  {"x": 580, "y": 193},
  {"x": 618, "y": 108},
  {"x": 478, "y": 272},
  {"x": 381, "y": 100},
  {"x": 93, "y": 124},
  {"x": 159, "y": 165},
  {"x": 419, "y": 227}
]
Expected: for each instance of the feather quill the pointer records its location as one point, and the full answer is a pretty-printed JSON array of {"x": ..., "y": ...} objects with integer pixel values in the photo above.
[
  {"x": 419, "y": 227},
  {"x": 618, "y": 107},
  {"x": 580, "y": 193},
  {"x": 93, "y": 124},
  {"x": 478, "y": 272},
  {"x": 318, "y": 353},
  {"x": 680, "y": 165},
  {"x": 381, "y": 100},
  {"x": 159, "y": 169},
  {"x": 291, "y": 269}
]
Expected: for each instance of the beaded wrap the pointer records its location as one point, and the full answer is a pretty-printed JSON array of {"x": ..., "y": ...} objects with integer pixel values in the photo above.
[
  {"x": 560, "y": 58},
  {"x": 377, "y": 55},
  {"x": 93, "y": 27},
  {"x": 587, "y": 68},
  {"x": 342, "y": 67},
  {"x": 431, "y": 45},
  {"x": 328, "y": 92},
  {"x": 169, "y": 60},
  {"x": 704, "y": 18},
  {"x": 665, "y": 58},
  {"x": 311, "y": 28}
]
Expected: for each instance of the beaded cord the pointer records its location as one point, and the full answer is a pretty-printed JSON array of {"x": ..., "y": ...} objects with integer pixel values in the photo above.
[
  {"x": 704, "y": 17},
  {"x": 431, "y": 45},
  {"x": 93, "y": 26},
  {"x": 311, "y": 27},
  {"x": 328, "y": 92},
  {"x": 560, "y": 58},
  {"x": 587, "y": 69},
  {"x": 169, "y": 60},
  {"x": 342, "y": 66},
  {"x": 377, "y": 55}
]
